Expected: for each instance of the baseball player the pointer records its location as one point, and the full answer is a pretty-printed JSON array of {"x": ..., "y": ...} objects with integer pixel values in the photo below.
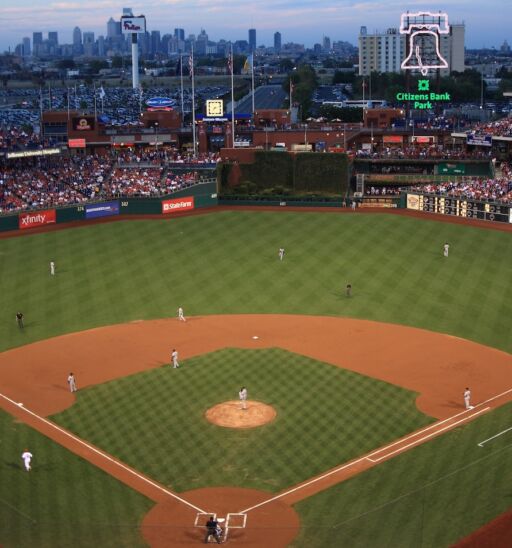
[
  {"x": 174, "y": 357},
  {"x": 72, "y": 383},
  {"x": 52, "y": 268},
  {"x": 467, "y": 398},
  {"x": 348, "y": 290},
  {"x": 243, "y": 398},
  {"x": 181, "y": 316},
  {"x": 19, "y": 320},
  {"x": 27, "y": 457},
  {"x": 281, "y": 253},
  {"x": 446, "y": 249}
]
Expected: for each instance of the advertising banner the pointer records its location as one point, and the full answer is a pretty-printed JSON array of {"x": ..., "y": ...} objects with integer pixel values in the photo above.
[
  {"x": 36, "y": 218},
  {"x": 413, "y": 201},
  {"x": 451, "y": 169},
  {"x": 76, "y": 143},
  {"x": 83, "y": 123},
  {"x": 30, "y": 153},
  {"x": 177, "y": 204},
  {"x": 133, "y": 25},
  {"x": 105, "y": 209},
  {"x": 479, "y": 140}
]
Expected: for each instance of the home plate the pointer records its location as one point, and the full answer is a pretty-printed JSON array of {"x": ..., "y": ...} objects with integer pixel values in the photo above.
[
  {"x": 255, "y": 337},
  {"x": 20, "y": 404}
]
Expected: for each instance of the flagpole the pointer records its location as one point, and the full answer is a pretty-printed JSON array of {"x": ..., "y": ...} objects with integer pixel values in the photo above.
[
  {"x": 232, "y": 97},
  {"x": 41, "y": 109},
  {"x": 182, "y": 103},
  {"x": 291, "y": 102},
  {"x": 252, "y": 77},
  {"x": 95, "y": 111},
  {"x": 67, "y": 94},
  {"x": 193, "y": 102},
  {"x": 49, "y": 96}
]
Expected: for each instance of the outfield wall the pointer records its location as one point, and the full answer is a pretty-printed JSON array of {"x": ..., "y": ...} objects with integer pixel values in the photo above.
[{"x": 187, "y": 199}]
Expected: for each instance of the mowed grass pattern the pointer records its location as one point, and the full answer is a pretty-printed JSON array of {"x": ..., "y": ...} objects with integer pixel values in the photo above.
[
  {"x": 430, "y": 496},
  {"x": 227, "y": 262},
  {"x": 63, "y": 501},
  {"x": 155, "y": 421}
]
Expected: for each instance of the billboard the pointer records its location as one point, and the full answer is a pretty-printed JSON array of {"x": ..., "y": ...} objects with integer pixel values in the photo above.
[
  {"x": 105, "y": 209},
  {"x": 133, "y": 25},
  {"x": 177, "y": 205},
  {"x": 160, "y": 102},
  {"x": 83, "y": 123},
  {"x": 76, "y": 143},
  {"x": 30, "y": 153},
  {"x": 36, "y": 218},
  {"x": 479, "y": 140}
]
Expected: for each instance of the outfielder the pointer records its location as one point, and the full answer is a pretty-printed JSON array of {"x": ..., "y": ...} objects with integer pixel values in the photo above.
[
  {"x": 27, "y": 457},
  {"x": 181, "y": 316},
  {"x": 281, "y": 253},
  {"x": 446, "y": 249},
  {"x": 72, "y": 383},
  {"x": 52, "y": 268}
]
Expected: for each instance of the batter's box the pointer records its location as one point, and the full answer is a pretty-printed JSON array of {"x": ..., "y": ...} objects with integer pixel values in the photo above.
[
  {"x": 202, "y": 518},
  {"x": 236, "y": 521}
]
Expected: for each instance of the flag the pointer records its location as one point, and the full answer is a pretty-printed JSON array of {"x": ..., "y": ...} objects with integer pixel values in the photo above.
[
  {"x": 102, "y": 93},
  {"x": 230, "y": 63},
  {"x": 248, "y": 63},
  {"x": 178, "y": 67}
]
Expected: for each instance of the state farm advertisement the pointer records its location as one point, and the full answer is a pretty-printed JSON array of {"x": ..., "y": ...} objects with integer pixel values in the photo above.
[
  {"x": 36, "y": 218},
  {"x": 177, "y": 204}
]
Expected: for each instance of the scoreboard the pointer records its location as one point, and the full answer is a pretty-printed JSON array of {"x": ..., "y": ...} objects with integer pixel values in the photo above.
[{"x": 460, "y": 207}]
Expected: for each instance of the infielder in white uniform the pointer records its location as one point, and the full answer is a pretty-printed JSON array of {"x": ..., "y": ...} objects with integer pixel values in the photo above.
[
  {"x": 72, "y": 383},
  {"x": 181, "y": 316},
  {"x": 52, "y": 268},
  {"x": 174, "y": 357},
  {"x": 467, "y": 398},
  {"x": 27, "y": 457},
  {"x": 446, "y": 249},
  {"x": 281, "y": 253},
  {"x": 243, "y": 397}
]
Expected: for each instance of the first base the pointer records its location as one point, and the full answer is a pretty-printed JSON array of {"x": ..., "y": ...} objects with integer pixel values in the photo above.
[{"x": 255, "y": 337}]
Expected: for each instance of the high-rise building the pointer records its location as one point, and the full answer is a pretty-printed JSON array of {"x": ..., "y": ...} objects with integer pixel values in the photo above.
[
  {"x": 37, "y": 42},
  {"x": 88, "y": 43},
  {"x": 26, "y": 46},
  {"x": 77, "y": 36},
  {"x": 384, "y": 52},
  {"x": 155, "y": 42},
  {"x": 252, "y": 40},
  {"x": 113, "y": 28},
  {"x": 326, "y": 44},
  {"x": 277, "y": 42},
  {"x": 101, "y": 46},
  {"x": 179, "y": 34},
  {"x": 53, "y": 38}
]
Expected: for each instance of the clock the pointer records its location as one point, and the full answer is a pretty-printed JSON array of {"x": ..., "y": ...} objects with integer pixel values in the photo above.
[{"x": 214, "y": 107}]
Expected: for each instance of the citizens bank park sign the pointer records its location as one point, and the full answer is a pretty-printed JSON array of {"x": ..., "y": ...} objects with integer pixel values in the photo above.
[{"x": 425, "y": 99}]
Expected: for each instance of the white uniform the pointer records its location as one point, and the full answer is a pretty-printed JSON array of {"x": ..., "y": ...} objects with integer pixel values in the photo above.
[
  {"x": 72, "y": 383},
  {"x": 52, "y": 268},
  {"x": 174, "y": 357},
  {"x": 281, "y": 253},
  {"x": 243, "y": 397},
  {"x": 27, "y": 457},
  {"x": 446, "y": 248},
  {"x": 467, "y": 398},
  {"x": 181, "y": 316}
]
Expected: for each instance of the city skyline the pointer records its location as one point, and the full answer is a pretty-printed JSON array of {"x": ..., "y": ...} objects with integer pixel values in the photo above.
[{"x": 340, "y": 19}]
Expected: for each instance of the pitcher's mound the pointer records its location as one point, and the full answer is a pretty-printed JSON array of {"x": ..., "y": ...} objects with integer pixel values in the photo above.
[{"x": 231, "y": 415}]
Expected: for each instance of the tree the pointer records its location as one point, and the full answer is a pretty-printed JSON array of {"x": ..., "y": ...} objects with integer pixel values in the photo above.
[
  {"x": 340, "y": 77},
  {"x": 285, "y": 65},
  {"x": 305, "y": 81},
  {"x": 65, "y": 64},
  {"x": 117, "y": 61}
]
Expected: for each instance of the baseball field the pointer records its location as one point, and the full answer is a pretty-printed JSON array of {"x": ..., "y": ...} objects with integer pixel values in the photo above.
[{"x": 368, "y": 442}]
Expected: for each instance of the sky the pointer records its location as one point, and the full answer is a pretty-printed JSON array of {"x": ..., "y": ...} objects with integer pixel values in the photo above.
[{"x": 303, "y": 21}]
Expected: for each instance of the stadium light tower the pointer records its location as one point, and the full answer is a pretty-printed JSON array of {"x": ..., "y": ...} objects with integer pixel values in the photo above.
[{"x": 134, "y": 26}]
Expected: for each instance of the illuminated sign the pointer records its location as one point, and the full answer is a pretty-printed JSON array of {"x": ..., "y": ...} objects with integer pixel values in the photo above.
[
  {"x": 424, "y": 30},
  {"x": 160, "y": 103},
  {"x": 214, "y": 108},
  {"x": 30, "y": 153},
  {"x": 424, "y": 99}
]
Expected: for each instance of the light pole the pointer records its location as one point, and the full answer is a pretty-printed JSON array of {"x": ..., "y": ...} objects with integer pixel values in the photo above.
[
  {"x": 156, "y": 131},
  {"x": 481, "y": 89},
  {"x": 306, "y": 135}
]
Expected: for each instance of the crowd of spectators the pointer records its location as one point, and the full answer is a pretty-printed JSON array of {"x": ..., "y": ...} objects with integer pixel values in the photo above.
[
  {"x": 50, "y": 181},
  {"x": 426, "y": 152},
  {"x": 498, "y": 189},
  {"x": 14, "y": 139},
  {"x": 498, "y": 128}
]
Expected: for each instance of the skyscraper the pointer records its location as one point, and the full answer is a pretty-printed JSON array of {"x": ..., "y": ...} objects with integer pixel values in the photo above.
[
  {"x": 277, "y": 42},
  {"x": 53, "y": 38},
  {"x": 155, "y": 42},
  {"x": 326, "y": 44},
  {"x": 179, "y": 34},
  {"x": 88, "y": 43},
  {"x": 37, "y": 42},
  {"x": 252, "y": 40},
  {"x": 113, "y": 28},
  {"x": 77, "y": 36},
  {"x": 26, "y": 46}
]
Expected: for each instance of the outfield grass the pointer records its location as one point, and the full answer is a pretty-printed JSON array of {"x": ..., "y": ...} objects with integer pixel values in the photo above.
[
  {"x": 430, "y": 496},
  {"x": 63, "y": 501},
  {"x": 155, "y": 422},
  {"x": 227, "y": 263}
]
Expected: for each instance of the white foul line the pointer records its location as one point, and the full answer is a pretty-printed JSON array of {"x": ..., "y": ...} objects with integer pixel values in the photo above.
[
  {"x": 425, "y": 437},
  {"x": 102, "y": 454},
  {"x": 360, "y": 459},
  {"x": 481, "y": 444}
]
